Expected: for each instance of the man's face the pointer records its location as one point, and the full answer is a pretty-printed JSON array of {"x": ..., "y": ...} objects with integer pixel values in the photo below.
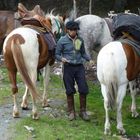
[{"x": 72, "y": 33}]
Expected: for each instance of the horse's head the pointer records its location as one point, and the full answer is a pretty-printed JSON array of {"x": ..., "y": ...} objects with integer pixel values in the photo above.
[{"x": 57, "y": 25}]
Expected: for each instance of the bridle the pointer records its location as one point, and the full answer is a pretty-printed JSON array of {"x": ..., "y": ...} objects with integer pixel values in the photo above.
[{"x": 61, "y": 29}]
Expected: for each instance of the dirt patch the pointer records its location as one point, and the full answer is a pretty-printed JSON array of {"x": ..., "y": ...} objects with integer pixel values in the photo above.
[{"x": 6, "y": 120}]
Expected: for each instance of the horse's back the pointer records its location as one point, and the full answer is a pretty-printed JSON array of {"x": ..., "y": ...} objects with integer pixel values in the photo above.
[
  {"x": 89, "y": 17},
  {"x": 112, "y": 63},
  {"x": 27, "y": 34},
  {"x": 90, "y": 23},
  {"x": 28, "y": 41},
  {"x": 94, "y": 31}
]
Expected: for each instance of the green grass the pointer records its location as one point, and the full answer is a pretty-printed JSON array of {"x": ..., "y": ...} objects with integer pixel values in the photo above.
[
  {"x": 5, "y": 86},
  {"x": 59, "y": 128}
]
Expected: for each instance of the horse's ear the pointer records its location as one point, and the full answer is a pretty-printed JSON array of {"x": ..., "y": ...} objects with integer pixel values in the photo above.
[
  {"x": 22, "y": 11},
  {"x": 64, "y": 17},
  {"x": 37, "y": 10},
  {"x": 21, "y": 7}
]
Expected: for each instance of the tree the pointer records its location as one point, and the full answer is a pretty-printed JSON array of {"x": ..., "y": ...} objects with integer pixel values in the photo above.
[
  {"x": 120, "y": 5},
  {"x": 9, "y": 4}
]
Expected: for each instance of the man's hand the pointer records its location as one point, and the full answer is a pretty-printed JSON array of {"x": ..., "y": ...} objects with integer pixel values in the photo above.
[
  {"x": 91, "y": 63},
  {"x": 64, "y": 60}
]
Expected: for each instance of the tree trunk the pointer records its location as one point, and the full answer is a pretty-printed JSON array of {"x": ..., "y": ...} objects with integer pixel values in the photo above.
[
  {"x": 90, "y": 6},
  {"x": 74, "y": 9}
]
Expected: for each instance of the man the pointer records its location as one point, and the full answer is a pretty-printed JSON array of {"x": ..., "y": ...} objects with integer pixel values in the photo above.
[{"x": 71, "y": 52}]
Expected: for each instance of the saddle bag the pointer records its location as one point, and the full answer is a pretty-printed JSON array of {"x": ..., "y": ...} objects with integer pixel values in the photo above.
[{"x": 129, "y": 23}]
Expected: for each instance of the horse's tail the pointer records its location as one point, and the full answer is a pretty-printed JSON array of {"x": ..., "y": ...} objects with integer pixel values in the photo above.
[
  {"x": 111, "y": 81},
  {"x": 111, "y": 93},
  {"x": 108, "y": 76},
  {"x": 21, "y": 66}
]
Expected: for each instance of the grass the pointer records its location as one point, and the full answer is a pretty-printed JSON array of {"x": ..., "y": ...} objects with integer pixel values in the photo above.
[{"x": 57, "y": 127}]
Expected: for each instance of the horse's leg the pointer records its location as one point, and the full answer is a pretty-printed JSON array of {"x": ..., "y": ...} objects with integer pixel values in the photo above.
[
  {"x": 106, "y": 106},
  {"x": 133, "y": 92},
  {"x": 12, "y": 77},
  {"x": 24, "y": 103},
  {"x": 121, "y": 93},
  {"x": 33, "y": 75},
  {"x": 46, "y": 77}
]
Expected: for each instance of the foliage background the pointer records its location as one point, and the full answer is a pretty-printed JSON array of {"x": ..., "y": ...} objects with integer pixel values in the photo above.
[{"x": 99, "y": 7}]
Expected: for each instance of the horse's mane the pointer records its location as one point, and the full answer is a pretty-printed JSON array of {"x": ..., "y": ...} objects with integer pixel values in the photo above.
[
  {"x": 52, "y": 14},
  {"x": 72, "y": 15}
]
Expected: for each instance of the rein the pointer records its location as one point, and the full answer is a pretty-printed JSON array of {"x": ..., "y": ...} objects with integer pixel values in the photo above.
[{"x": 60, "y": 26}]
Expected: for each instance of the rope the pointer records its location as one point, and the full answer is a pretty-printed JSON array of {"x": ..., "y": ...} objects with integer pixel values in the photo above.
[{"x": 39, "y": 29}]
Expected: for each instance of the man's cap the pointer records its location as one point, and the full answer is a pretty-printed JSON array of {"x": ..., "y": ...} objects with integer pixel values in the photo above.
[{"x": 72, "y": 25}]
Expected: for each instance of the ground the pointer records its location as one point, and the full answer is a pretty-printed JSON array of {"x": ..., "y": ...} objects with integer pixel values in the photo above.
[{"x": 6, "y": 119}]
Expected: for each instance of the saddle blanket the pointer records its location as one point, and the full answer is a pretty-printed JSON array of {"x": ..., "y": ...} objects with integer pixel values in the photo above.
[
  {"x": 50, "y": 40},
  {"x": 133, "y": 43}
]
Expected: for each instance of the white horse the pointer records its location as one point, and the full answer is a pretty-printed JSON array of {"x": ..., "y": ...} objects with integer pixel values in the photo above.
[
  {"x": 95, "y": 32},
  {"x": 57, "y": 22},
  {"x": 117, "y": 64}
]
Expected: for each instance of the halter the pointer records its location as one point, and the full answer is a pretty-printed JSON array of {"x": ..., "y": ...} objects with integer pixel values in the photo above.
[{"x": 60, "y": 27}]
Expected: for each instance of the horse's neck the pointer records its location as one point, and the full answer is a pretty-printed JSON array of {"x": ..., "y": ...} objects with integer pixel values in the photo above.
[
  {"x": 17, "y": 20},
  {"x": 106, "y": 36},
  {"x": 109, "y": 23},
  {"x": 12, "y": 23}
]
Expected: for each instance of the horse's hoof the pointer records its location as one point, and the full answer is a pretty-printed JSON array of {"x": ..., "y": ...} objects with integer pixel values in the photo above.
[
  {"x": 121, "y": 131},
  {"x": 45, "y": 105},
  {"x": 35, "y": 116},
  {"x": 135, "y": 114},
  {"x": 16, "y": 114},
  {"x": 107, "y": 132},
  {"x": 25, "y": 108}
]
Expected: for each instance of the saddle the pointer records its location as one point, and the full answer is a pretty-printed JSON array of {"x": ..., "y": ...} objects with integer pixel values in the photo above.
[
  {"x": 46, "y": 35},
  {"x": 32, "y": 22},
  {"x": 129, "y": 23},
  {"x": 38, "y": 26}
]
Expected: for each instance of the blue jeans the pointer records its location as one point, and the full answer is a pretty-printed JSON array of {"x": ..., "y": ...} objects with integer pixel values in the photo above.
[{"x": 72, "y": 74}]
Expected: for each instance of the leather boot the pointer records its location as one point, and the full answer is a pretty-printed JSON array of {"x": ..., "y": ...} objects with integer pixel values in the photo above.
[
  {"x": 83, "y": 113},
  {"x": 71, "y": 108}
]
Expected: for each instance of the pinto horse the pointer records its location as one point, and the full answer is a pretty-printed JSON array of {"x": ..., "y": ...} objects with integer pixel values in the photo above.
[
  {"x": 96, "y": 33},
  {"x": 117, "y": 64},
  {"x": 57, "y": 23},
  {"x": 8, "y": 22},
  {"x": 25, "y": 50}
]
